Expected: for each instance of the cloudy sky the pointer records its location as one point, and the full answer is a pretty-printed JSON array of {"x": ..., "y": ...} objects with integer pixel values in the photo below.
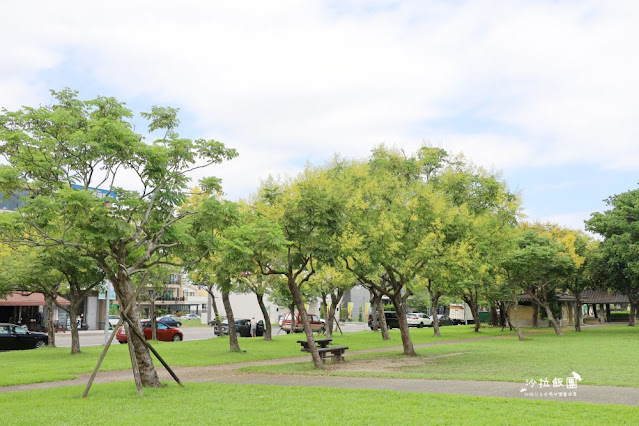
[{"x": 546, "y": 91}]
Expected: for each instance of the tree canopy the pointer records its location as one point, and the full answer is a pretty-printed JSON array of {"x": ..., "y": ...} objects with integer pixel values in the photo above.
[
  {"x": 65, "y": 161},
  {"x": 616, "y": 265}
]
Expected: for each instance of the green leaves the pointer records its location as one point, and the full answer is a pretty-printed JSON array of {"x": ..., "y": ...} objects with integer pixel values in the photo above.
[
  {"x": 162, "y": 118},
  {"x": 67, "y": 155},
  {"x": 616, "y": 265},
  {"x": 539, "y": 262}
]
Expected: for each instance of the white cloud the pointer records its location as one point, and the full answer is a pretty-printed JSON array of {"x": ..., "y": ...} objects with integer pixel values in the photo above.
[
  {"x": 547, "y": 83},
  {"x": 572, "y": 220}
]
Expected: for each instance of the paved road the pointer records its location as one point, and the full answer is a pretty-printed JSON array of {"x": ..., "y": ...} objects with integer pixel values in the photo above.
[{"x": 96, "y": 337}]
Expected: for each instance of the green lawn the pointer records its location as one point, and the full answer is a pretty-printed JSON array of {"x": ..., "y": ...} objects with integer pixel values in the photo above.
[
  {"x": 602, "y": 356},
  {"x": 192, "y": 323},
  {"x": 207, "y": 403},
  {"x": 50, "y": 364}
]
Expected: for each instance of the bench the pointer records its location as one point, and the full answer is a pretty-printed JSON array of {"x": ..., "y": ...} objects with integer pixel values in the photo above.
[{"x": 336, "y": 352}]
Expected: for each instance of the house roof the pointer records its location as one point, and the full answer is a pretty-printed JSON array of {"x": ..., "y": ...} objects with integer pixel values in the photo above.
[
  {"x": 602, "y": 296},
  {"x": 16, "y": 298},
  {"x": 562, "y": 297},
  {"x": 587, "y": 296}
]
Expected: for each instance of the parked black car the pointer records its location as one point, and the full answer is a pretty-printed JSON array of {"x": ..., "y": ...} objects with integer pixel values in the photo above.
[
  {"x": 443, "y": 320},
  {"x": 391, "y": 319},
  {"x": 242, "y": 328},
  {"x": 170, "y": 321},
  {"x": 17, "y": 337}
]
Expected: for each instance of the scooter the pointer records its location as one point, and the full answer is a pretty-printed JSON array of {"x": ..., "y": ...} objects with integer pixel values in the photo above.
[{"x": 82, "y": 325}]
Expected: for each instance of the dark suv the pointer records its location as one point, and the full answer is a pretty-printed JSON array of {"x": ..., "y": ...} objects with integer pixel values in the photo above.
[
  {"x": 242, "y": 328},
  {"x": 391, "y": 319}
]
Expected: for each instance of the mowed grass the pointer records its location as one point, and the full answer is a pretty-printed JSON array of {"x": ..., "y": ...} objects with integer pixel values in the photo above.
[
  {"x": 53, "y": 364},
  {"x": 192, "y": 323},
  {"x": 602, "y": 356},
  {"x": 209, "y": 403}
]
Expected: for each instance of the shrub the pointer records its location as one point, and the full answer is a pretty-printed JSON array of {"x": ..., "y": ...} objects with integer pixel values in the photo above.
[{"x": 620, "y": 316}]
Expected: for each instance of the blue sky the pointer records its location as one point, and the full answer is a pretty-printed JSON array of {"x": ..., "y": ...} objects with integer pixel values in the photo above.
[{"x": 545, "y": 91}]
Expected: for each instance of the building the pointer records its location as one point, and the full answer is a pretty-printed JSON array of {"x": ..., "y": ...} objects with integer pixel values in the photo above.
[
  {"x": 593, "y": 298},
  {"x": 29, "y": 309},
  {"x": 355, "y": 304},
  {"x": 525, "y": 311},
  {"x": 177, "y": 295},
  {"x": 245, "y": 306},
  {"x": 590, "y": 299}
]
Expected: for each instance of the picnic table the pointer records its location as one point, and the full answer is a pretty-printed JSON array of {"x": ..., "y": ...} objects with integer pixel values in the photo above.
[
  {"x": 320, "y": 343},
  {"x": 336, "y": 352}
]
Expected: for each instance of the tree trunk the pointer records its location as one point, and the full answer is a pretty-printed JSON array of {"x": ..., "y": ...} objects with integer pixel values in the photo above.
[
  {"x": 216, "y": 313},
  {"x": 330, "y": 321},
  {"x": 74, "y": 304},
  {"x": 382, "y": 319},
  {"x": 475, "y": 312},
  {"x": 75, "y": 338},
  {"x": 516, "y": 325},
  {"x": 400, "y": 309},
  {"x": 267, "y": 318},
  {"x": 374, "y": 313},
  {"x": 474, "y": 309},
  {"x": 552, "y": 319},
  {"x": 293, "y": 318},
  {"x": 324, "y": 308},
  {"x": 297, "y": 297},
  {"x": 434, "y": 300},
  {"x": 50, "y": 325},
  {"x": 494, "y": 316},
  {"x": 535, "y": 315},
  {"x": 125, "y": 293},
  {"x": 234, "y": 345},
  {"x": 578, "y": 310},
  {"x": 633, "y": 315},
  {"x": 503, "y": 315}
]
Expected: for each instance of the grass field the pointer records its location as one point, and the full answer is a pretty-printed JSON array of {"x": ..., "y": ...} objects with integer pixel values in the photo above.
[
  {"x": 51, "y": 364},
  {"x": 270, "y": 405},
  {"x": 602, "y": 356},
  {"x": 192, "y": 323}
]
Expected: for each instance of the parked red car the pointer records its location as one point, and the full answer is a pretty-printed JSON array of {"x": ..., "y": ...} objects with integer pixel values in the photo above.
[
  {"x": 165, "y": 333},
  {"x": 317, "y": 324}
]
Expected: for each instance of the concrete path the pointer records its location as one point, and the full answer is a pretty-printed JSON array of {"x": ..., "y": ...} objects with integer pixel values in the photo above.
[{"x": 230, "y": 373}]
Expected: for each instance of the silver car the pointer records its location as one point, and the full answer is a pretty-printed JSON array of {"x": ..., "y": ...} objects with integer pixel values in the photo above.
[
  {"x": 419, "y": 320},
  {"x": 113, "y": 320}
]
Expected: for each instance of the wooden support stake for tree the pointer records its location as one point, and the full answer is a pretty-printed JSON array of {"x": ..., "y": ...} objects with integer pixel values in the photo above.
[
  {"x": 157, "y": 355},
  {"x": 104, "y": 351},
  {"x": 134, "y": 360},
  {"x": 108, "y": 345}
]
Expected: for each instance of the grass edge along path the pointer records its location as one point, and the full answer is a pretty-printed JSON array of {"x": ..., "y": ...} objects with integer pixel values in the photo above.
[{"x": 213, "y": 403}]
